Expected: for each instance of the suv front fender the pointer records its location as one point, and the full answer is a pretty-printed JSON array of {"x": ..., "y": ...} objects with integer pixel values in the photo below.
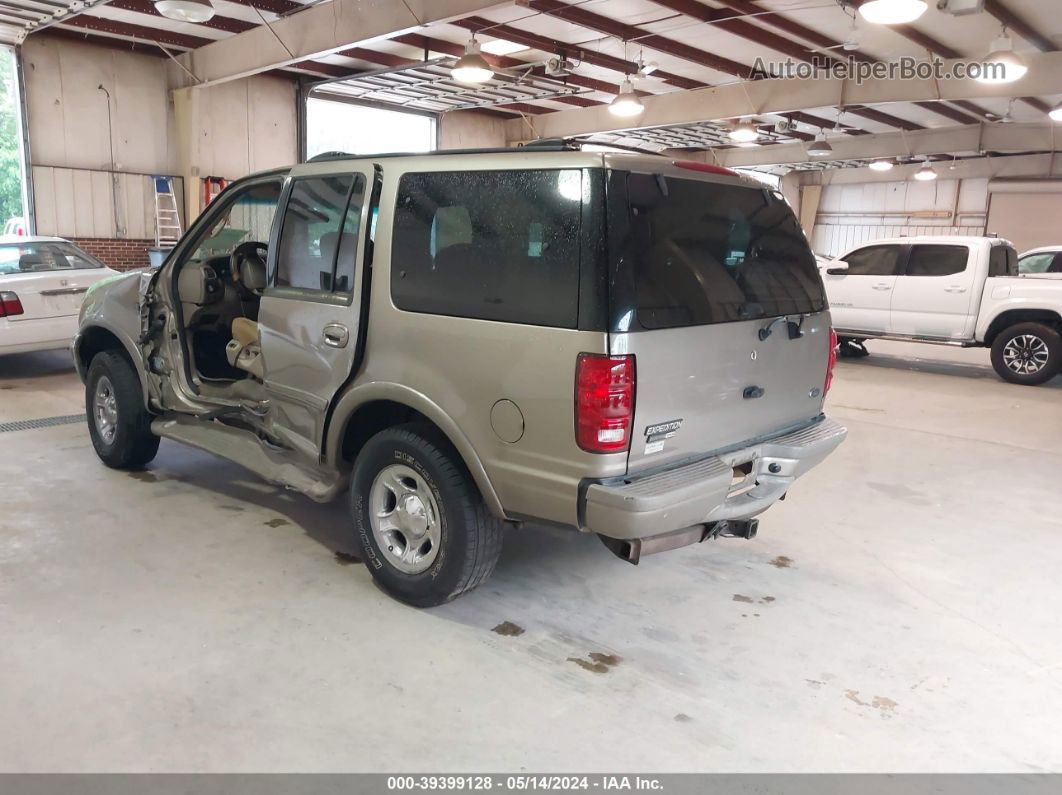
[{"x": 361, "y": 395}]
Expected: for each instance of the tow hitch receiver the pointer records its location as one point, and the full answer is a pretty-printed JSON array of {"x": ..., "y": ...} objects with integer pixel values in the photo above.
[
  {"x": 633, "y": 549},
  {"x": 738, "y": 528}
]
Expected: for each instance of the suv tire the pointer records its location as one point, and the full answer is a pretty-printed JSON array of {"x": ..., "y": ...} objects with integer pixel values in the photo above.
[
  {"x": 425, "y": 533},
  {"x": 1031, "y": 347},
  {"x": 118, "y": 422}
]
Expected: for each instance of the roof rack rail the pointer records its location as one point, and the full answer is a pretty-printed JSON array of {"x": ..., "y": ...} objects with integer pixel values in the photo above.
[{"x": 541, "y": 145}]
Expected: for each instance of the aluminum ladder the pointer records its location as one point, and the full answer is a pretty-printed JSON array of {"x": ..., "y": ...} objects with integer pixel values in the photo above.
[{"x": 167, "y": 217}]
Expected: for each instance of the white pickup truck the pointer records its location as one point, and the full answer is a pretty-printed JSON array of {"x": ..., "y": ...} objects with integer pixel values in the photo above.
[{"x": 948, "y": 291}]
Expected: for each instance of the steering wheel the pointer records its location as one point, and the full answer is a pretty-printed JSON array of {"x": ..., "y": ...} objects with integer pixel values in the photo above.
[{"x": 251, "y": 252}]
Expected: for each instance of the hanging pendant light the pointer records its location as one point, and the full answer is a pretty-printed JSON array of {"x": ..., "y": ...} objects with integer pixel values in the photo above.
[
  {"x": 744, "y": 132},
  {"x": 472, "y": 67},
  {"x": 820, "y": 147},
  {"x": 1002, "y": 64},
  {"x": 626, "y": 102},
  {"x": 925, "y": 173},
  {"x": 892, "y": 12},
  {"x": 185, "y": 10},
  {"x": 881, "y": 165}
]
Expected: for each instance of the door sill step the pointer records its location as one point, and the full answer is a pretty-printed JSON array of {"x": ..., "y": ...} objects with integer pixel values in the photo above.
[{"x": 275, "y": 465}]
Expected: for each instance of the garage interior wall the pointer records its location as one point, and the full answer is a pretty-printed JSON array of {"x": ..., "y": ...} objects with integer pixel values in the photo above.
[
  {"x": 93, "y": 155},
  {"x": 469, "y": 129},
  {"x": 1028, "y": 213},
  {"x": 851, "y": 214}
]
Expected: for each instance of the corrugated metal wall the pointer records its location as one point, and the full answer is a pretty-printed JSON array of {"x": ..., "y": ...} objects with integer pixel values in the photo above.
[{"x": 852, "y": 214}]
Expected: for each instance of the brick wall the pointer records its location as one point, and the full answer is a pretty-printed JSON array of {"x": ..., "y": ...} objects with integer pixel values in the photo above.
[{"x": 121, "y": 255}]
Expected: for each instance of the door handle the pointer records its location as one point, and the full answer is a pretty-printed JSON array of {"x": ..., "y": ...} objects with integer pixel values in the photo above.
[
  {"x": 881, "y": 286},
  {"x": 65, "y": 291},
  {"x": 335, "y": 335},
  {"x": 954, "y": 289}
]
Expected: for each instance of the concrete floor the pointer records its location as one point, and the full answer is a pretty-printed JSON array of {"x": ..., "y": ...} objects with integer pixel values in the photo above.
[{"x": 899, "y": 612}]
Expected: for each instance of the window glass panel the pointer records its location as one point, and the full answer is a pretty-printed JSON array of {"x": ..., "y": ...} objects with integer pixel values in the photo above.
[
  {"x": 311, "y": 236},
  {"x": 33, "y": 257},
  {"x": 1034, "y": 263},
  {"x": 248, "y": 218},
  {"x": 1003, "y": 261},
  {"x": 711, "y": 253},
  {"x": 495, "y": 245},
  {"x": 937, "y": 260},
  {"x": 873, "y": 261}
]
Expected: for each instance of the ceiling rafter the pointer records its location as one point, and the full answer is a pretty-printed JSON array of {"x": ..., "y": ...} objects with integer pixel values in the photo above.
[
  {"x": 823, "y": 42},
  {"x": 595, "y": 22},
  {"x": 217, "y": 22},
  {"x": 476, "y": 24},
  {"x": 1019, "y": 26},
  {"x": 944, "y": 51},
  {"x": 428, "y": 43}
]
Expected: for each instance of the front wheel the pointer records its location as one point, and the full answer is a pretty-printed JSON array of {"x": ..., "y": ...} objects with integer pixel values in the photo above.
[
  {"x": 425, "y": 533},
  {"x": 119, "y": 424},
  {"x": 1027, "y": 353}
]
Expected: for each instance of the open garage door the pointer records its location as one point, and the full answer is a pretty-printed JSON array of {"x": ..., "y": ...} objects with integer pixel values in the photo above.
[
  {"x": 1026, "y": 212},
  {"x": 336, "y": 125}
]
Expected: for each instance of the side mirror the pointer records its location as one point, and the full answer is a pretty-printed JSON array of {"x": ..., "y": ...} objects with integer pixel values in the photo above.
[{"x": 839, "y": 269}]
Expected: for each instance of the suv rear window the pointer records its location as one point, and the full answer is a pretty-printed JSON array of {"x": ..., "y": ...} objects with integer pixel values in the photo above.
[
  {"x": 494, "y": 245},
  {"x": 705, "y": 252}
]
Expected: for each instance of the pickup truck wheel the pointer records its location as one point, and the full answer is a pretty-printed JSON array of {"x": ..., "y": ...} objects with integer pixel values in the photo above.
[
  {"x": 425, "y": 533},
  {"x": 118, "y": 422},
  {"x": 1027, "y": 353}
]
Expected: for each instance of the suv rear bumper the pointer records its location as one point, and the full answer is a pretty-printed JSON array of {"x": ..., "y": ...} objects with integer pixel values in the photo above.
[{"x": 705, "y": 491}]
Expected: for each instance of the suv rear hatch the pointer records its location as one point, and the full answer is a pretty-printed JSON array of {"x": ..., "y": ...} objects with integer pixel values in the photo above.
[{"x": 715, "y": 291}]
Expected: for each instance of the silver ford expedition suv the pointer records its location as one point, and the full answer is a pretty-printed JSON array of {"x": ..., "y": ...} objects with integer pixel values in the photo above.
[{"x": 625, "y": 345}]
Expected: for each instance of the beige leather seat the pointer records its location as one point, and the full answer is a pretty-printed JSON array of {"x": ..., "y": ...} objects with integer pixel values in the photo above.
[{"x": 244, "y": 350}]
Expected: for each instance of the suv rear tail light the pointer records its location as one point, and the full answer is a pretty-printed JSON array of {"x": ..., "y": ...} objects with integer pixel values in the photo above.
[
  {"x": 830, "y": 362},
  {"x": 604, "y": 402},
  {"x": 10, "y": 305}
]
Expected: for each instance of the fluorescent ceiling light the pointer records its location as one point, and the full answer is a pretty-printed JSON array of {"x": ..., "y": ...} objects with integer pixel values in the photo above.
[
  {"x": 744, "y": 132},
  {"x": 892, "y": 12},
  {"x": 881, "y": 165},
  {"x": 1008, "y": 65},
  {"x": 185, "y": 10},
  {"x": 503, "y": 47},
  {"x": 626, "y": 102},
  {"x": 472, "y": 67}
]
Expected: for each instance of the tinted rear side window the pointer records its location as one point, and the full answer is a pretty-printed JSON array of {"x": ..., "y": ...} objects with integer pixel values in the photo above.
[
  {"x": 873, "y": 261},
  {"x": 937, "y": 260},
  {"x": 704, "y": 252},
  {"x": 1003, "y": 261},
  {"x": 494, "y": 245}
]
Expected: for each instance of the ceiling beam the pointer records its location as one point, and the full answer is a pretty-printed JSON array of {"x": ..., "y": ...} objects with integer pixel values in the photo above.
[
  {"x": 942, "y": 50},
  {"x": 1035, "y": 165},
  {"x": 217, "y": 22},
  {"x": 1019, "y": 26},
  {"x": 824, "y": 42},
  {"x": 783, "y": 95},
  {"x": 972, "y": 138},
  {"x": 605, "y": 61},
  {"x": 599, "y": 24},
  {"x": 318, "y": 31}
]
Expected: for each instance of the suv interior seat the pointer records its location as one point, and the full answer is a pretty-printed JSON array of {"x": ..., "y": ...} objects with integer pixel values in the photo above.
[{"x": 244, "y": 350}]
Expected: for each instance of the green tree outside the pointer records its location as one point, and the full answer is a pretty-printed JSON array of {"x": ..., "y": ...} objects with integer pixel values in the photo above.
[{"x": 10, "y": 158}]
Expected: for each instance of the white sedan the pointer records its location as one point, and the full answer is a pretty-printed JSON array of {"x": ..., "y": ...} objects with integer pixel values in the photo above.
[
  {"x": 43, "y": 281},
  {"x": 1042, "y": 263}
]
